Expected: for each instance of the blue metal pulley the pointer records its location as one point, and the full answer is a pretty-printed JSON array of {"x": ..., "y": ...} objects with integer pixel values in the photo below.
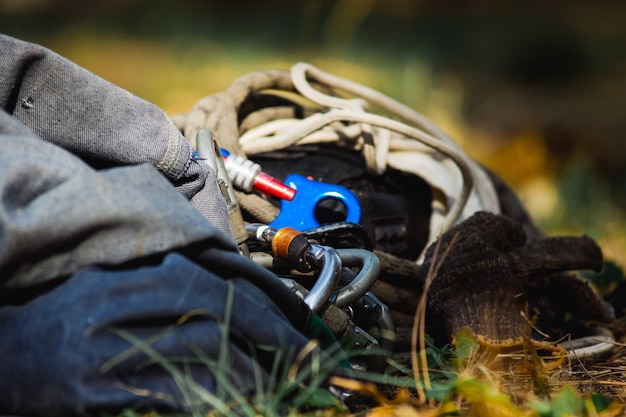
[{"x": 299, "y": 213}]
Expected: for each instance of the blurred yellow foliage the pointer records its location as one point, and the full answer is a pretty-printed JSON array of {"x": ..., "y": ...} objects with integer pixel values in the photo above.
[{"x": 518, "y": 160}]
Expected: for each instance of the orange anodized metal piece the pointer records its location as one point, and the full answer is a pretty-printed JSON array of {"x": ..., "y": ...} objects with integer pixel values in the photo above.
[{"x": 281, "y": 241}]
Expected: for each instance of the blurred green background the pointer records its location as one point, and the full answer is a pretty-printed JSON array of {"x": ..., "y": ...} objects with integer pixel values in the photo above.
[{"x": 535, "y": 90}]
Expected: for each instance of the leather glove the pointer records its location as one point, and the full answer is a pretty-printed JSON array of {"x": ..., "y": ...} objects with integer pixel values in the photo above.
[
  {"x": 71, "y": 350},
  {"x": 488, "y": 276}
]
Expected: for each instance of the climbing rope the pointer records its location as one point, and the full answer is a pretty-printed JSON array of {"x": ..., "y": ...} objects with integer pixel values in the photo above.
[{"x": 270, "y": 110}]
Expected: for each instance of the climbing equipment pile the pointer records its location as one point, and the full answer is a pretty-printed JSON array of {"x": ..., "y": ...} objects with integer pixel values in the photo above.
[{"x": 365, "y": 186}]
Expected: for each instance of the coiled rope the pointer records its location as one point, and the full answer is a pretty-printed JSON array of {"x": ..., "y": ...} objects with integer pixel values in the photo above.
[{"x": 271, "y": 110}]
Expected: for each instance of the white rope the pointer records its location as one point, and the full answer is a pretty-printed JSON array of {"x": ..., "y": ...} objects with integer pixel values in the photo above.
[
  {"x": 298, "y": 134},
  {"x": 379, "y": 99},
  {"x": 338, "y": 112},
  {"x": 590, "y": 347},
  {"x": 412, "y": 144}
]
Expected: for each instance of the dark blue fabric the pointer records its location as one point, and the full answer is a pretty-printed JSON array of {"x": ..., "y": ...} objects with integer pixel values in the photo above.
[{"x": 53, "y": 348}]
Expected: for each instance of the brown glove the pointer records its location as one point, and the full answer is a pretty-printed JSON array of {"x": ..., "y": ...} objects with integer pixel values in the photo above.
[{"x": 494, "y": 280}]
